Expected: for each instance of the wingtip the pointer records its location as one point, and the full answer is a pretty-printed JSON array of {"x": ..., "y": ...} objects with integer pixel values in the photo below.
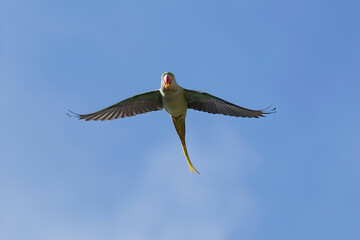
[
  {"x": 72, "y": 114},
  {"x": 269, "y": 110}
]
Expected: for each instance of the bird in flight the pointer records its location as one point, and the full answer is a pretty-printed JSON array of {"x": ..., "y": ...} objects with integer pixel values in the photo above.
[{"x": 176, "y": 101}]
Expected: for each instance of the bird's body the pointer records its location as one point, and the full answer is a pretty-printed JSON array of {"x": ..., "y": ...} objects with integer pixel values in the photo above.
[{"x": 176, "y": 101}]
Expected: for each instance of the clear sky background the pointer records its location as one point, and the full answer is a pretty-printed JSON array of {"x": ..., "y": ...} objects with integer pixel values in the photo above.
[{"x": 292, "y": 175}]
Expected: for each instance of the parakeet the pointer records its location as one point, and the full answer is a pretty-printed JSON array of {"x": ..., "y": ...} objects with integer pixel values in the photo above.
[{"x": 176, "y": 101}]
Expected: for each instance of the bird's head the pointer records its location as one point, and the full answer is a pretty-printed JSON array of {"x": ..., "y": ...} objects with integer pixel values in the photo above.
[{"x": 167, "y": 79}]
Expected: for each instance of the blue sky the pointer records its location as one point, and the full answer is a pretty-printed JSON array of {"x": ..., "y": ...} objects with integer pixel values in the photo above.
[{"x": 292, "y": 175}]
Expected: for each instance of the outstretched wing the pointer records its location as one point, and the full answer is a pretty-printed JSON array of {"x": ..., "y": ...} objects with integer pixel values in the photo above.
[
  {"x": 138, "y": 104},
  {"x": 205, "y": 102}
]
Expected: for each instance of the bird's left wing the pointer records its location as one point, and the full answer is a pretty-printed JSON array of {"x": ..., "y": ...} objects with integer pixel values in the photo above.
[
  {"x": 205, "y": 102},
  {"x": 138, "y": 104}
]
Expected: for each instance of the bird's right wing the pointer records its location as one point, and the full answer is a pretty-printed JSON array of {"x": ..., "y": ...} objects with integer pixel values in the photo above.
[
  {"x": 205, "y": 102},
  {"x": 138, "y": 104}
]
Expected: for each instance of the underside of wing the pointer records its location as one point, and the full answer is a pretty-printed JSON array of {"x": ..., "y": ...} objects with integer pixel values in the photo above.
[
  {"x": 205, "y": 102},
  {"x": 138, "y": 104}
]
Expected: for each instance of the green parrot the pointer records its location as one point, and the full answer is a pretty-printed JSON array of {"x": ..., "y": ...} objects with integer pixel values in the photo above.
[{"x": 176, "y": 101}]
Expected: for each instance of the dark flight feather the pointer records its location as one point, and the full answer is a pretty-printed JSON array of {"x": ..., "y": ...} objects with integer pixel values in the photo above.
[
  {"x": 138, "y": 104},
  {"x": 205, "y": 102}
]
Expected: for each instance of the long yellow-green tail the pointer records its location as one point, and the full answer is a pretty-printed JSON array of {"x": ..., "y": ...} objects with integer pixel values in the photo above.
[{"x": 179, "y": 123}]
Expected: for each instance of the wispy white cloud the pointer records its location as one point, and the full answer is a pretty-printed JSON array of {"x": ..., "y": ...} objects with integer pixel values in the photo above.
[{"x": 166, "y": 202}]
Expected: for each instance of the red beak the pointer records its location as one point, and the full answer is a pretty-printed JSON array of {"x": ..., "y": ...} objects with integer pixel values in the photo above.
[{"x": 167, "y": 81}]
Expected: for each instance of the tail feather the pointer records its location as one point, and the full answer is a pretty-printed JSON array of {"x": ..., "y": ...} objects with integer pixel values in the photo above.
[
  {"x": 192, "y": 168},
  {"x": 179, "y": 123}
]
